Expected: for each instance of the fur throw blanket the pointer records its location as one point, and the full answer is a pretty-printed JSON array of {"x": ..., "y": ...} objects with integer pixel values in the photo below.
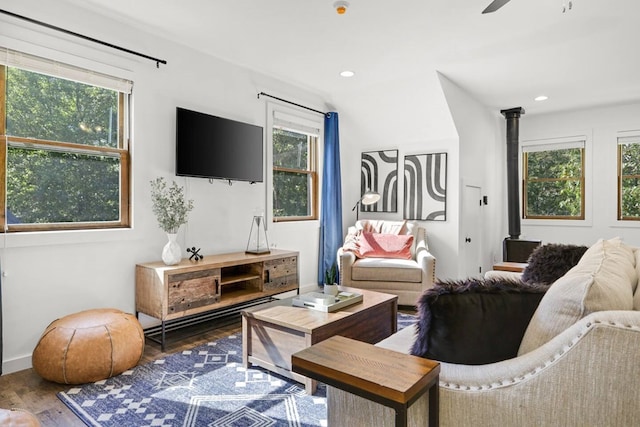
[
  {"x": 549, "y": 262},
  {"x": 474, "y": 321}
]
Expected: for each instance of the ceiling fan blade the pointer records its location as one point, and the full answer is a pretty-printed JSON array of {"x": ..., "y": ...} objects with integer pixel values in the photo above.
[{"x": 495, "y": 5}]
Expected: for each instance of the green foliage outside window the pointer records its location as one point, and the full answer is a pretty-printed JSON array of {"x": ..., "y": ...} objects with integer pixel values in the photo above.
[
  {"x": 629, "y": 181},
  {"x": 290, "y": 149},
  {"x": 293, "y": 174},
  {"x": 554, "y": 182},
  {"x": 55, "y": 172},
  {"x": 55, "y": 109},
  {"x": 50, "y": 187}
]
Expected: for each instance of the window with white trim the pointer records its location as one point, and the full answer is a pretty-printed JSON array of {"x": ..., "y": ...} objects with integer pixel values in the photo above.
[
  {"x": 629, "y": 177},
  {"x": 65, "y": 154},
  {"x": 554, "y": 180},
  {"x": 295, "y": 178}
]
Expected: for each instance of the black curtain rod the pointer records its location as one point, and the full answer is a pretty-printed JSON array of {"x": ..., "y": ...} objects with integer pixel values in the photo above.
[
  {"x": 91, "y": 39},
  {"x": 292, "y": 103}
]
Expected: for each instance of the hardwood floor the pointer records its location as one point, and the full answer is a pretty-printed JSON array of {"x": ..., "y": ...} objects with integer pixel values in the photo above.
[{"x": 27, "y": 390}]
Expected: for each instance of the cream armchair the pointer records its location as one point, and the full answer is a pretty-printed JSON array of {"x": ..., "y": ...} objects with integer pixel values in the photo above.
[{"x": 406, "y": 278}]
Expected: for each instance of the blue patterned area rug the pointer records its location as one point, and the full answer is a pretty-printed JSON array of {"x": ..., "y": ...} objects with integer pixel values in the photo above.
[{"x": 206, "y": 386}]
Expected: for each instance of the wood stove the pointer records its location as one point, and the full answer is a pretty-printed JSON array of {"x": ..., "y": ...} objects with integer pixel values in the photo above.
[{"x": 514, "y": 249}]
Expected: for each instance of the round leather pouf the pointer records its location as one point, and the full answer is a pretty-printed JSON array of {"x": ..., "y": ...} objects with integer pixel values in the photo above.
[
  {"x": 89, "y": 346},
  {"x": 18, "y": 418}
]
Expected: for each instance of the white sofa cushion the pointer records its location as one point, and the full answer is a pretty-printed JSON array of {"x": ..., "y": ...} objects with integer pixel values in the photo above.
[
  {"x": 386, "y": 270},
  {"x": 500, "y": 274},
  {"x": 603, "y": 279}
]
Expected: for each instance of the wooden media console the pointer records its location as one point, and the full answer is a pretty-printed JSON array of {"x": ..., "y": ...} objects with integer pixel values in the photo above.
[{"x": 170, "y": 292}]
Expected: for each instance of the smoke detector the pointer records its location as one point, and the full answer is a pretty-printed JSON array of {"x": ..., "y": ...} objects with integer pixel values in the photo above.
[{"x": 341, "y": 7}]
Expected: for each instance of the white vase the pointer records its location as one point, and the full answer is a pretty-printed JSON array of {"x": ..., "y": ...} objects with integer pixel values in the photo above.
[
  {"x": 171, "y": 253},
  {"x": 331, "y": 289}
]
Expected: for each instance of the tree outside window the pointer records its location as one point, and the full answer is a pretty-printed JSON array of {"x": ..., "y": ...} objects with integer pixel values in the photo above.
[
  {"x": 629, "y": 178},
  {"x": 294, "y": 175},
  {"x": 66, "y": 157},
  {"x": 553, "y": 181}
]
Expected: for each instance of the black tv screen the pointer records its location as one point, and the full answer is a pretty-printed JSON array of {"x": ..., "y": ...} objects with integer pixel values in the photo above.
[{"x": 214, "y": 147}]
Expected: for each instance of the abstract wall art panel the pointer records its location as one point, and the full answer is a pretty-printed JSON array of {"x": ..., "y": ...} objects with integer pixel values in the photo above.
[
  {"x": 379, "y": 173},
  {"x": 425, "y": 187}
]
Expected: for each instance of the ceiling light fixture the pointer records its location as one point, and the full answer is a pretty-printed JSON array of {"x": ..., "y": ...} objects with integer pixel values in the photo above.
[
  {"x": 341, "y": 7},
  {"x": 541, "y": 98},
  {"x": 347, "y": 73}
]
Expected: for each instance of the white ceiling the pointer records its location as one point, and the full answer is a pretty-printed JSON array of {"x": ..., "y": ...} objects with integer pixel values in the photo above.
[{"x": 589, "y": 55}]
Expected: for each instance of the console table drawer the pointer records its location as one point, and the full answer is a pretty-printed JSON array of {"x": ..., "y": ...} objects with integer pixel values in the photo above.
[
  {"x": 192, "y": 290},
  {"x": 280, "y": 273}
]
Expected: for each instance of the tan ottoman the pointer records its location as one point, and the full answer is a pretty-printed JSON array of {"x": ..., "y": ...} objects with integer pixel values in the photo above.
[
  {"x": 89, "y": 346},
  {"x": 18, "y": 418}
]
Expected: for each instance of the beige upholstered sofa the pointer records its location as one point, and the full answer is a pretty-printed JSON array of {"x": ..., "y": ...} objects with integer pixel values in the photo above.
[
  {"x": 406, "y": 278},
  {"x": 576, "y": 363}
]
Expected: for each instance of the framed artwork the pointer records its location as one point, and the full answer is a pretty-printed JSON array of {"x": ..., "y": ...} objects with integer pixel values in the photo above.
[
  {"x": 425, "y": 187},
  {"x": 379, "y": 173}
]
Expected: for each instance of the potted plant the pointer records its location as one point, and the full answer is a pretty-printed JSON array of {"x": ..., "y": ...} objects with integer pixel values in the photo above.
[
  {"x": 171, "y": 210},
  {"x": 330, "y": 275}
]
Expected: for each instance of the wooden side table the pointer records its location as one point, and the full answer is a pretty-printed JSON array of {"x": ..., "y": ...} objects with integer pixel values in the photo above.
[
  {"x": 517, "y": 267},
  {"x": 372, "y": 385}
]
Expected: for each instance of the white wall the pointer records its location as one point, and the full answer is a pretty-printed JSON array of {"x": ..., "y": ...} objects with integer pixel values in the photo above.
[
  {"x": 410, "y": 115},
  {"x": 600, "y": 125},
  {"x": 482, "y": 164},
  {"x": 49, "y": 275}
]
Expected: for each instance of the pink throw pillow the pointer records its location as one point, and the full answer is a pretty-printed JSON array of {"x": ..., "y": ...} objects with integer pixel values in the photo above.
[{"x": 378, "y": 245}]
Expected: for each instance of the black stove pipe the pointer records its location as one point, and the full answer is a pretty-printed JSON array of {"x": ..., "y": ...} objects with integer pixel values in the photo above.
[{"x": 512, "y": 117}]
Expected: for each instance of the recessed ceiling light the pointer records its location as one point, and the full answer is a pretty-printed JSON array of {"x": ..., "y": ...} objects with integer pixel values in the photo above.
[
  {"x": 541, "y": 98},
  {"x": 347, "y": 73}
]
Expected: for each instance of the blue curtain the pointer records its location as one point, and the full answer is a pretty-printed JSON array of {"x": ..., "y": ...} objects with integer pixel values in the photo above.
[{"x": 331, "y": 199}]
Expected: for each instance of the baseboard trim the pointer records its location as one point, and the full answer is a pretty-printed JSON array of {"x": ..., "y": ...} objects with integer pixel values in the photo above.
[{"x": 17, "y": 364}]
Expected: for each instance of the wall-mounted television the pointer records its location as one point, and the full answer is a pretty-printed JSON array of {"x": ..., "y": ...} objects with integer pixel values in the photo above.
[{"x": 214, "y": 147}]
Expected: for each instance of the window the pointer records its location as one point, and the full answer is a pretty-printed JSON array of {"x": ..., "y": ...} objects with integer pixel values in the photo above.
[
  {"x": 295, "y": 180},
  {"x": 66, "y": 162},
  {"x": 553, "y": 181},
  {"x": 629, "y": 178}
]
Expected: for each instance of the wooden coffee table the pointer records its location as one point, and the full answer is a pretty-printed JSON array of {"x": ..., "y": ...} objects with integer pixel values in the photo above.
[{"x": 272, "y": 332}]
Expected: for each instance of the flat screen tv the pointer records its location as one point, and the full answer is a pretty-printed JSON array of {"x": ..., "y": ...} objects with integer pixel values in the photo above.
[{"x": 214, "y": 147}]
